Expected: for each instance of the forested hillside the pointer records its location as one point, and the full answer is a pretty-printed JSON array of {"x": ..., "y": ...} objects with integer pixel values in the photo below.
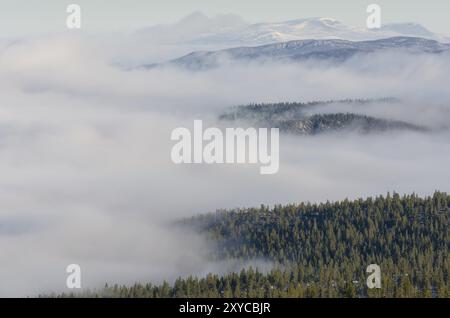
[
  {"x": 309, "y": 118},
  {"x": 322, "y": 250}
]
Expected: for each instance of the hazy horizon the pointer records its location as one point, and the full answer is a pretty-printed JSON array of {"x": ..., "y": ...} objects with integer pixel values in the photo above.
[{"x": 24, "y": 17}]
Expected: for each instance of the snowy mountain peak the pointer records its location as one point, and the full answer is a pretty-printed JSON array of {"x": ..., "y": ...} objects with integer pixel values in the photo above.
[
  {"x": 194, "y": 17},
  {"x": 313, "y": 28},
  {"x": 228, "y": 30}
]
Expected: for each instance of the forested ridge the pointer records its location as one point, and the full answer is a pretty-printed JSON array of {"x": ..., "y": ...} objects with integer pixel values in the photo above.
[
  {"x": 310, "y": 119},
  {"x": 321, "y": 250}
]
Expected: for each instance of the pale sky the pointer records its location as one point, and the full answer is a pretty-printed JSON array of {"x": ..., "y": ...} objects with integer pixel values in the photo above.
[{"x": 21, "y": 17}]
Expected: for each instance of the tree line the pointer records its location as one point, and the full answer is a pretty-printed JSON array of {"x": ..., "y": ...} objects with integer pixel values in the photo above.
[{"x": 321, "y": 250}]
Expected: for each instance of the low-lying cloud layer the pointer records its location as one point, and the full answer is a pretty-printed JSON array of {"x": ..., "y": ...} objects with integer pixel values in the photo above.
[{"x": 85, "y": 154}]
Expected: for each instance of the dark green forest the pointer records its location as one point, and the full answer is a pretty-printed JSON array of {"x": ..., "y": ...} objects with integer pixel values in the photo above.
[{"x": 321, "y": 250}]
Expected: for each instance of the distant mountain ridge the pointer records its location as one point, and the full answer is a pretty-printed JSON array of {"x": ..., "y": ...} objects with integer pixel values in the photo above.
[
  {"x": 228, "y": 30},
  {"x": 316, "y": 28},
  {"x": 336, "y": 50}
]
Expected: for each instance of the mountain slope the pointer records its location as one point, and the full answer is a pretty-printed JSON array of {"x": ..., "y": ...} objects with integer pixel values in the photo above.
[{"x": 336, "y": 50}]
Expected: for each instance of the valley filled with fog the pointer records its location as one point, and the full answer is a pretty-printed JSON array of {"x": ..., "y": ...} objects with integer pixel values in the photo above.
[{"x": 86, "y": 173}]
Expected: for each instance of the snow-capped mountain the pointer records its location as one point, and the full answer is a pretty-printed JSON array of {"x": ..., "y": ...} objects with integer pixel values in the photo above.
[
  {"x": 335, "y": 50},
  {"x": 318, "y": 29},
  {"x": 230, "y": 30}
]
